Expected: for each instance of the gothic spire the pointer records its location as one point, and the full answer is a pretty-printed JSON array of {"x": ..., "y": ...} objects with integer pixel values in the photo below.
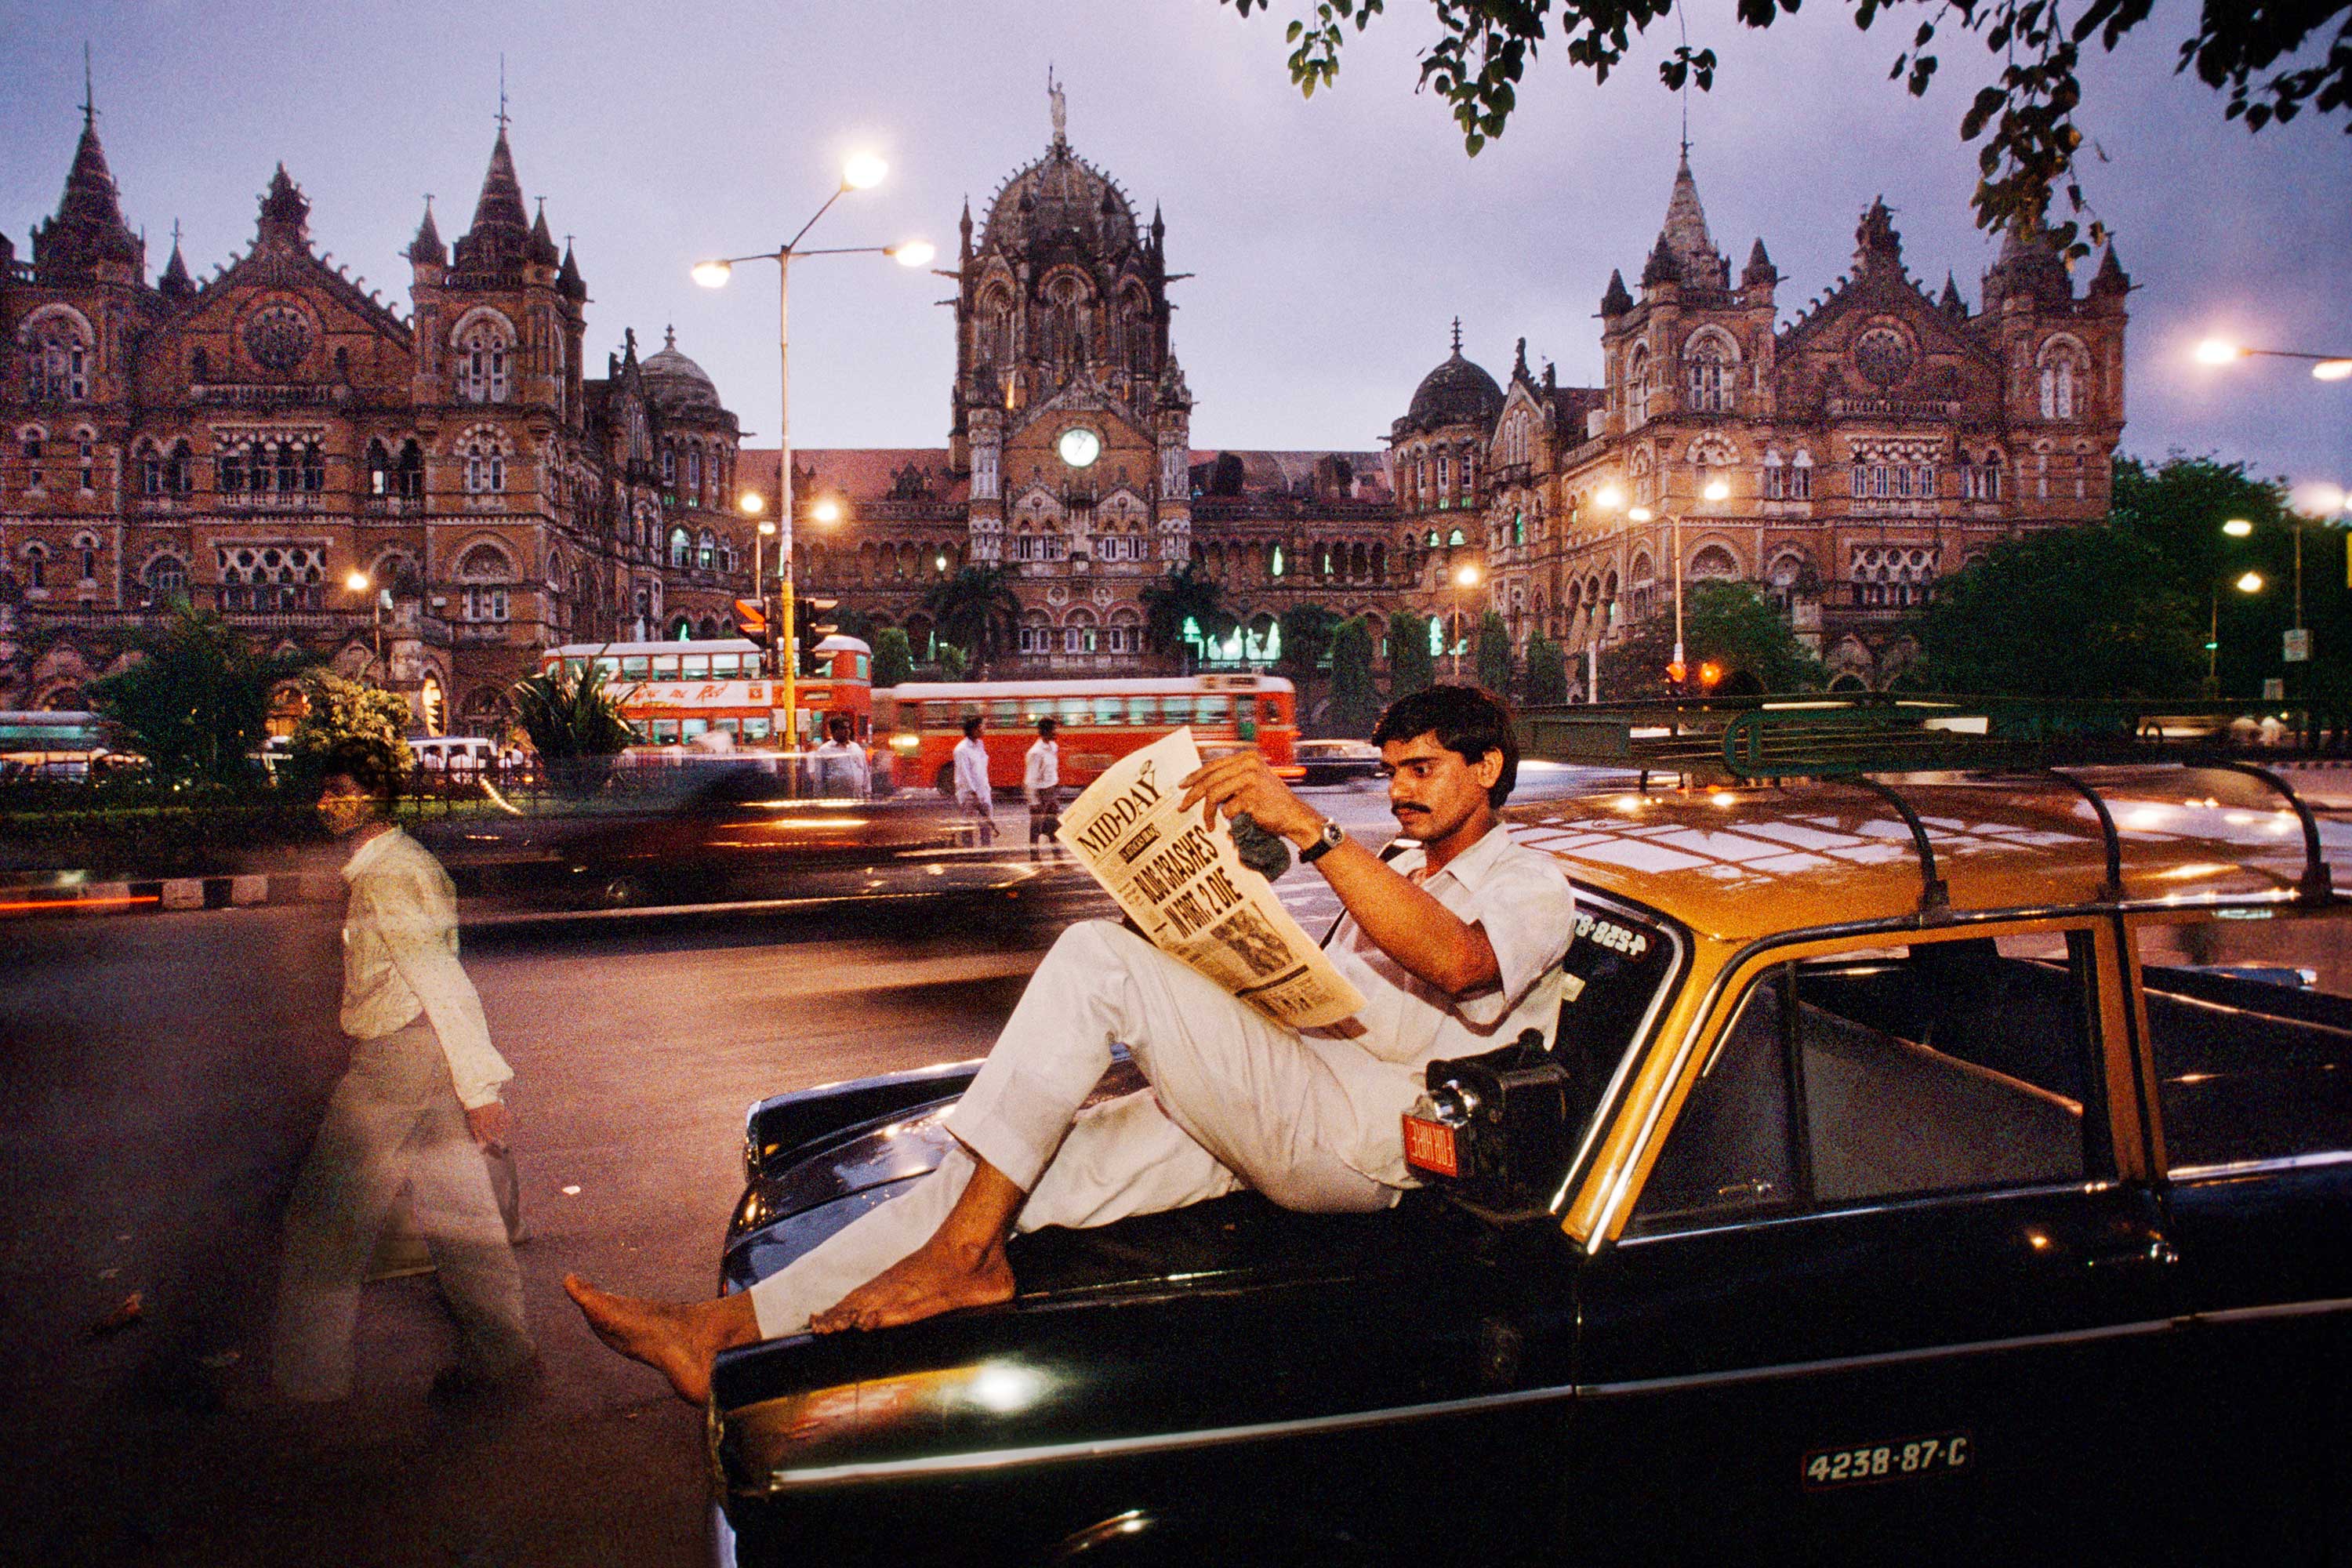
[
  {"x": 285, "y": 211},
  {"x": 568, "y": 278},
  {"x": 542, "y": 243},
  {"x": 1616, "y": 301},
  {"x": 2111, "y": 278},
  {"x": 175, "y": 282},
  {"x": 1457, "y": 334},
  {"x": 426, "y": 248},
  {"x": 89, "y": 227},
  {"x": 1877, "y": 248},
  {"x": 1759, "y": 270},
  {"x": 1685, "y": 234},
  {"x": 1951, "y": 304},
  {"x": 501, "y": 204}
]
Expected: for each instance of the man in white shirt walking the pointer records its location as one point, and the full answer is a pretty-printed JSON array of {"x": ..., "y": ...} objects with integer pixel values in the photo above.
[
  {"x": 417, "y": 1108},
  {"x": 1455, "y": 945},
  {"x": 972, "y": 789},
  {"x": 1041, "y": 785},
  {"x": 841, "y": 765}
]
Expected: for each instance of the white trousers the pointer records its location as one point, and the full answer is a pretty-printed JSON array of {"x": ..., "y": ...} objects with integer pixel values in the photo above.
[
  {"x": 393, "y": 1122},
  {"x": 1235, "y": 1100}
]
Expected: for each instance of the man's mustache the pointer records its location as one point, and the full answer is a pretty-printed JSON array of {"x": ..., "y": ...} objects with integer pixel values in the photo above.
[{"x": 1402, "y": 810}]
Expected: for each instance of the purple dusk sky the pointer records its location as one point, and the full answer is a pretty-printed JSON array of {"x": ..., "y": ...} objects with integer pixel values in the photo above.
[{"x": 1332, "y": 240}]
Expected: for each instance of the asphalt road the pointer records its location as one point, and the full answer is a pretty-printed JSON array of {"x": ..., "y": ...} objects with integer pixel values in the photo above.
[{"x": 164, "y": 1075}]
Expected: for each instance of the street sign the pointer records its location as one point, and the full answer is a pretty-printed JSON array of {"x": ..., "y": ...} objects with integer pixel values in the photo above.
[{"x": 2298, "y": 646}]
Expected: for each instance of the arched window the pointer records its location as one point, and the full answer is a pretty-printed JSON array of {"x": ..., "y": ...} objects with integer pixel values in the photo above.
[
  {"x": 1801, "y": 476},
  {"x": 408, "y": 474},
  {"x": 484, "y": 349},
  {"x": 1637, "y": 384},
  {"x": 486, "y": 463},
  {"x": 1707, "y": 363},
  {"x": 56, "y": 351},
  {"x": 2063, "y": 366},
  {"x": 37, "y": 565},
  {"x": 379, "y": 470},
  {"x": 706, "y": 551},
  {"x": 484, "y": 569},
  {"x": 669, "y": 464},
  {"x": 681, "y": 545},
  {"x": 693, "y": 475},
  {"x": 166, "y": 577}
]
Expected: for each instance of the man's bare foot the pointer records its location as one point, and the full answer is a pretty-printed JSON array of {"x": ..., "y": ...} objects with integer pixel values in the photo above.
[
  {"x": 937, "y": 1277},
  {"x": 679, "y": 1339}
]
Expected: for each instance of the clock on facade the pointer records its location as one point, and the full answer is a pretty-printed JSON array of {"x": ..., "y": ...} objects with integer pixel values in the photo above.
[{"x": 1080, "y": 447}]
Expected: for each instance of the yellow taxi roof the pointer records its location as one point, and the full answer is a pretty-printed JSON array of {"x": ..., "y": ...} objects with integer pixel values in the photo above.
[{"x": 1738, "y": 862}]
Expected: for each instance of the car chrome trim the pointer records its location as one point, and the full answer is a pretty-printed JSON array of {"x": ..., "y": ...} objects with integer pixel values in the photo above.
[
  {"x": 1883, "y": 1205},
  {"x": 985, "y": 1460},
  {"x": 1631, "y": 1053},
  {"x": 1876, "y": 1359},
  {"x": 1156, "y": 1443},
  {"x": 2273, "y": 1162},
  {"x": 2276, "y": 1310}
]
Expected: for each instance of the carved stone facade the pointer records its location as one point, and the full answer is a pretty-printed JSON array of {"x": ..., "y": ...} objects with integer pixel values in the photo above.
[
  {"x": 251, "y": 441},
  {"x": 1871, "y": 447},
  {"x": 1068, "y": 459}
]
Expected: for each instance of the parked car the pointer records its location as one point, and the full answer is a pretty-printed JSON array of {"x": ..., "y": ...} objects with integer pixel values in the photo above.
[
  {"x": 1336, "y": 762},
  {"x": 1955, "y": 1171}
]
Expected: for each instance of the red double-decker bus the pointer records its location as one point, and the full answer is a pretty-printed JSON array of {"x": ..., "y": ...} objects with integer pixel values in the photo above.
[
  {"x": 674, "y": 691},
  {"x": 1101, "y": 721}
]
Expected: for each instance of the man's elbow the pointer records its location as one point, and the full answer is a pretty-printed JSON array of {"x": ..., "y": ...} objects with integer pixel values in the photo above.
[{"x": 1469, "y": 975}]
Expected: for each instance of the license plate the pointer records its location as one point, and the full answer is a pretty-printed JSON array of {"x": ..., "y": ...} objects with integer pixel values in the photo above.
[{"x": 1428, "y": 1146}]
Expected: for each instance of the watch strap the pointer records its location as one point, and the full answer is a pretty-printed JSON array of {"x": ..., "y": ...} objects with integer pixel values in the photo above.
[{"x": 1331, "y": 838}]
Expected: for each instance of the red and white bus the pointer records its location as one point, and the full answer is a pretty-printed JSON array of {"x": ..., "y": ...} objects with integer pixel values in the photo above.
[
  {"x": 676, "y": 691},
  {"x": 1101, "y": 721}
]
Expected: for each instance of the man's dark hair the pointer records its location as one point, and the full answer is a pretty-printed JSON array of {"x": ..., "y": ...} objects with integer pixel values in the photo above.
[
  {"x": 366, "y": 764},
  {"x": 1045, "y": 728},
  {"x": 839, "y": 729},
  {"x": 1467, "y": 719},
  {"x": 972, "y": 727}
]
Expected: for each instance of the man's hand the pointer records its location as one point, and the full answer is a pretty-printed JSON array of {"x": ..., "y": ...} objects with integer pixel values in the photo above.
[
  {"x": 1242, "y": 783},
  {"x": 490, "y": 1123}
]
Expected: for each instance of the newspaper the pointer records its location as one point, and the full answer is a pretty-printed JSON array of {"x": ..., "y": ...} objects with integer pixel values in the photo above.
[{"x": 1183, "y": 883}]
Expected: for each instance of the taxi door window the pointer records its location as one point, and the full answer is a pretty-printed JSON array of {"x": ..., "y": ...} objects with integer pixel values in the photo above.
[
  {"x": 2250, "y": 1021},
  {"x": 1943, "y": 1067}
]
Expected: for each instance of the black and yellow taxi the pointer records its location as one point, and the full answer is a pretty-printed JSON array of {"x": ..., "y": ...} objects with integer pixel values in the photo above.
[{"x": 1944, "y": 1167}]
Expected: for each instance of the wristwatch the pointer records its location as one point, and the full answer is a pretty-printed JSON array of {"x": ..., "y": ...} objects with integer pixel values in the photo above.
[{"x": 1331, "y": 838}]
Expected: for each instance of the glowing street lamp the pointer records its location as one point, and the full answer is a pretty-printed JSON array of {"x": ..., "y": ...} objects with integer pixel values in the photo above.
[
  {"x": 360, "y": 583},
  {"x": 827, "y": 510},
  {"x": 1465, "y": 579},
  {"x": 861, "y": 173},
  {"x": 2226, "y": 351}
]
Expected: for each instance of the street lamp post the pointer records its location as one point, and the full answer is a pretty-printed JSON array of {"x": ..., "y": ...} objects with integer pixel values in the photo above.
[
  {"x": 2247, "y": 582},
  {"x": 862, "y": 172},
  {"x": 1465, "y": 580},
  {"x": 359, "y": 583},
  {"x": 751, "y": 504},
  {"x": 1717, "y": 490},
  {"x": 2324, "y": 367}
]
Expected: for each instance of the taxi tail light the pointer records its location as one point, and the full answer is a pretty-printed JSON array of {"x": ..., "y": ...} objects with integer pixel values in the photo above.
[
  {"x": 1287, "y": 772},
  {"x": 1493, "y": 1128}
]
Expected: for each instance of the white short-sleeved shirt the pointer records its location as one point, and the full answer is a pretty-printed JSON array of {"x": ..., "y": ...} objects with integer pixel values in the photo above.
[{"x": 1522, "y": 900}]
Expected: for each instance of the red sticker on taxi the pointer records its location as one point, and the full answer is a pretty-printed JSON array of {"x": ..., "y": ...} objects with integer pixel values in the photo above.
[{"x": 1428, "y": 1146}]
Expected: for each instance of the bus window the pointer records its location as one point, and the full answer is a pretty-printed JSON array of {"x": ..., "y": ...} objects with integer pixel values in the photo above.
[
  {"x": 693, "y": 727},
  {"x": 758, "y": 729},
  {"x": 1073, "y": 712},
  {"x": 732, "y": 726},
  {"x": 726, "y": 663},
  {"x": 1214, "y": 712},
  {"x": 695, "y": 666},
  {"x": 611, "y": 666},
  {"x": 862, "y": 671},
  {"x": 664, "y": 731},
  {"x": 1269, "y": 711},
  {"x": 665, "y": 664},
  {"x": 1004, "y": 712},
  {"x": 632, "y": 667},
  {"x": 1142, "y": 710},
  {"x": 1106, "y": 709},
  {"x": 576, "y": 668}
]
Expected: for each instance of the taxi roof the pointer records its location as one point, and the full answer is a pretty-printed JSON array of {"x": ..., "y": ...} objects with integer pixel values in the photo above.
[{"x": 1740, "y": 862}]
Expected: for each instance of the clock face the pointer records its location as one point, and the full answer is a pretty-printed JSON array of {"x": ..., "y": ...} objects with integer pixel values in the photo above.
[{"x": 1080, "y": 447}]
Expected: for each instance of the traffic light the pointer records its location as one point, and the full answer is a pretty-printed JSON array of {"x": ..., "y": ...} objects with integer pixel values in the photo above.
[
  {"x": 751, "y": 621},
  {"x": 1709, "y": 675},
  {"x": 1676, "y": 672}
]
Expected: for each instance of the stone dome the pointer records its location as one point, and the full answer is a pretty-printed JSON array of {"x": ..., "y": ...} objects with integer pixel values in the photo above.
[
  {"x": 1057, "y": 192},
  {"x": 674, "y": 381},
  {"x": 1455, "y": 392}
]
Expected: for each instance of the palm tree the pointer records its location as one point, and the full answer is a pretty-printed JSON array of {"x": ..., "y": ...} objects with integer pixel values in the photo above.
[
  {"x": 1181, "y": 595},
  {"x": 975, "y": 609}
]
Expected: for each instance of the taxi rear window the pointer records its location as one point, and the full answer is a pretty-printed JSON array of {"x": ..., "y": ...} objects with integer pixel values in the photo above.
[{"x": 1619, "y": 965}]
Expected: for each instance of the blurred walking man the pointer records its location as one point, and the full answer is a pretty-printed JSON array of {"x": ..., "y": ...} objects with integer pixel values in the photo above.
[
  {"x": 972, "y": 790},
  {"x": 1456, "y": 945},
  {"x": 417, "y": 1106},
  {"x": 1041, "y": 785}
]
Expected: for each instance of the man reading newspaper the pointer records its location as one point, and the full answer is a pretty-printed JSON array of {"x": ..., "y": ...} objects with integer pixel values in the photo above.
[{"x": 1454, "y": 945}]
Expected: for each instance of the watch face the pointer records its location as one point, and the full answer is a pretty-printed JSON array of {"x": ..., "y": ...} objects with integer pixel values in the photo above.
[{"x": 1080, "y": 447}]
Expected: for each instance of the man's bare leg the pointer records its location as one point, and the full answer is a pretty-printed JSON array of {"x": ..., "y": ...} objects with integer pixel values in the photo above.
[
  {"x": 678, "y": 1339},
  {"x": 962, "y": 1265}
]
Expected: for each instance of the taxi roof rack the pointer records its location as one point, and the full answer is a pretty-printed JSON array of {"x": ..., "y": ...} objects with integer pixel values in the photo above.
[{"x": 1847, "y": 739}]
